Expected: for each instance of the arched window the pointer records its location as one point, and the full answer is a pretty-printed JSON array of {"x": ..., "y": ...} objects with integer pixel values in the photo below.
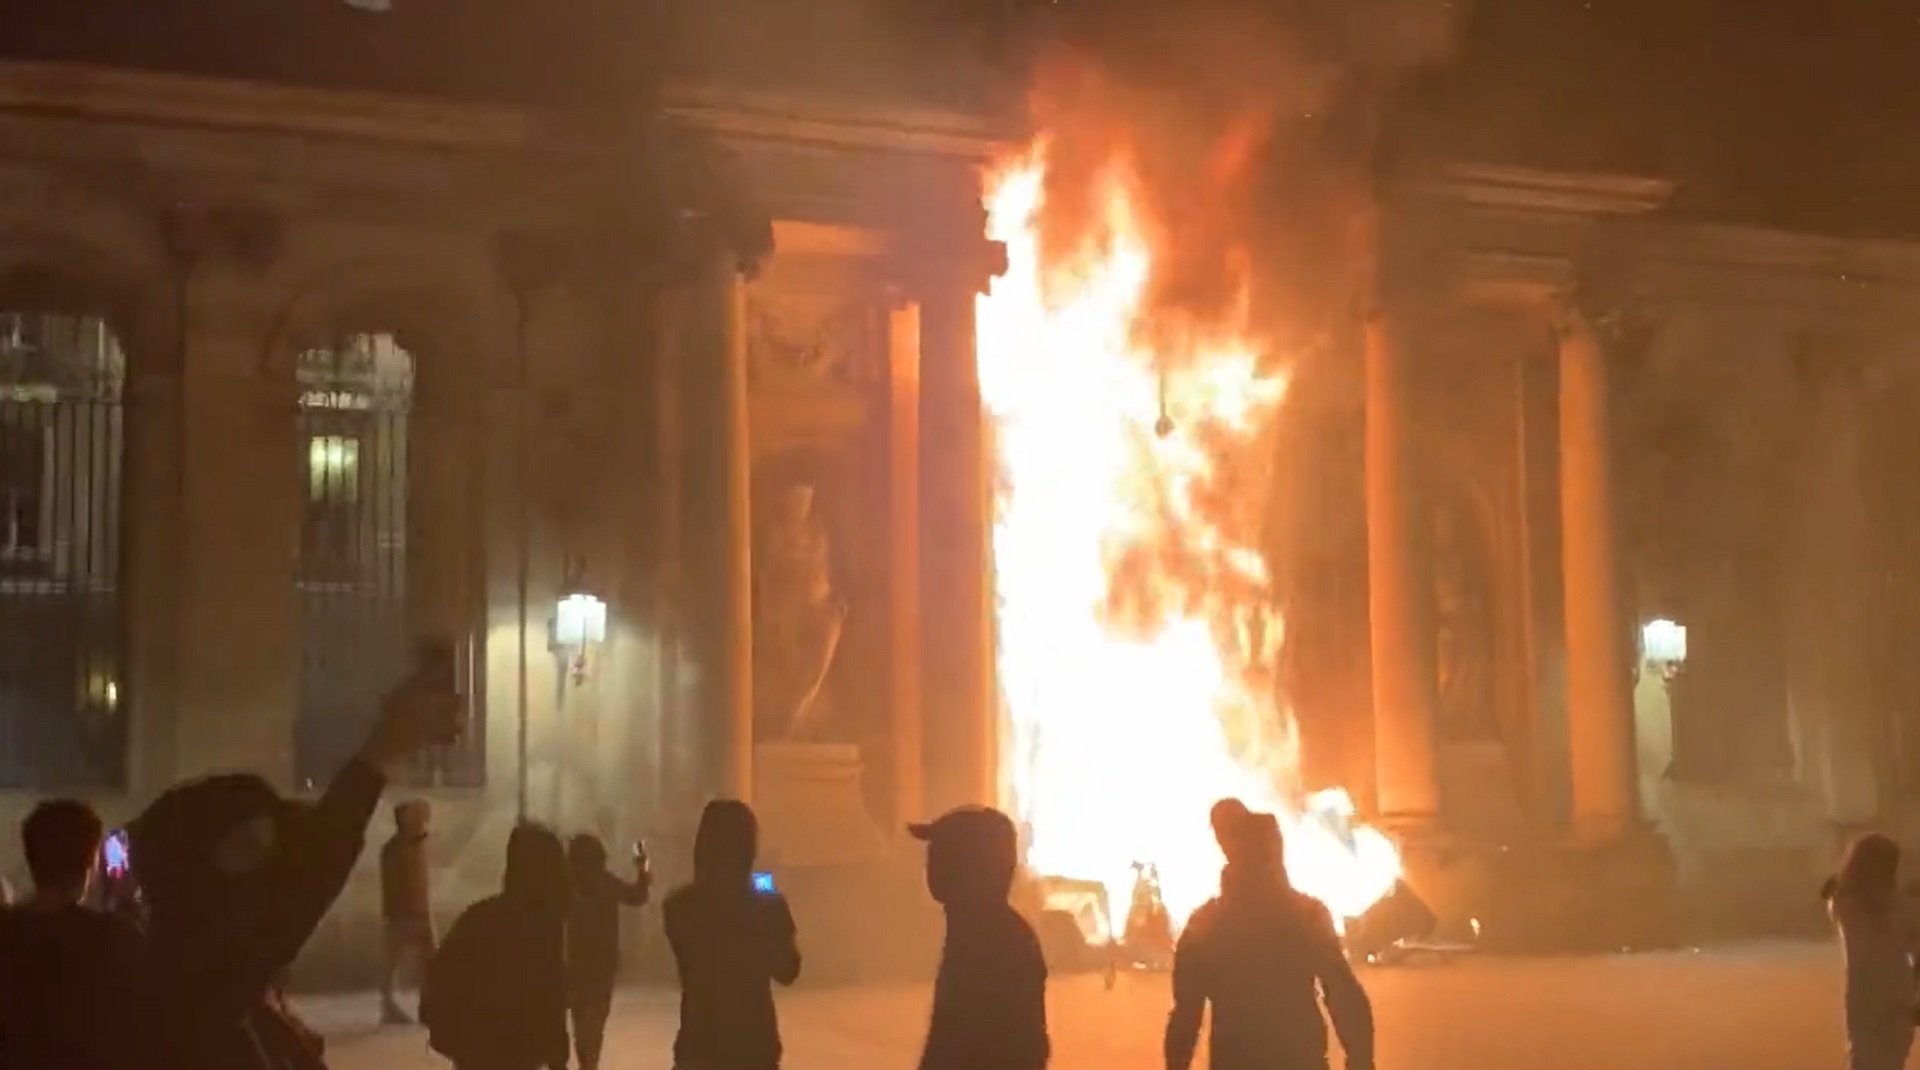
[
  {"x": 62, "y": 719},
  {"x": 360, "y": 568}
]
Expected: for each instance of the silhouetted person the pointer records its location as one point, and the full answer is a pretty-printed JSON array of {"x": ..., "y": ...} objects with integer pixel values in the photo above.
[
  {"x": 990, "y": 996},
  {"x": 70, "y": 976},
  {"x": 731, "y": 944},
  {"x": 1257, "y": 952},
  {"x": 496, "y": 995},
  {"x": 406, "y": 896},
  {"x": 237, "y": 878},
  {"x": 1879, "y": 938},
  {"x": 593, "y": 939}
]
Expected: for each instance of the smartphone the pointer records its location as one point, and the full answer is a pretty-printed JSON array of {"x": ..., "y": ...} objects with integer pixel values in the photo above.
[
  {"x": 116, "y": 860},
  {"x": 763, "y": 884}
]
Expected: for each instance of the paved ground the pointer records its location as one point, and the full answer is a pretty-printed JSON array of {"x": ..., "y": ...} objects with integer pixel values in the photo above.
[{"x": 1748, "y": 1008}]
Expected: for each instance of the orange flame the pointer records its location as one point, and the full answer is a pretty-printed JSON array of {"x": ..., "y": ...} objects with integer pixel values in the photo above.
[{"x": 1138, "y": 634}]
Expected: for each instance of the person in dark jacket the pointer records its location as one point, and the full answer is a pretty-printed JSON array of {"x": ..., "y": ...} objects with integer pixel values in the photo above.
[
  {"x": 731, "y": 943},
  {"x": 406, "y": 896},
  {"x": 237, "y": 878},
  {"x": 990, "y": 996},
  {"x": 70, "y": 975},
  {"x": 1257, "y": 953},
  {"x": 593, "y": 939},
  {"x": 496, "y": 993}
]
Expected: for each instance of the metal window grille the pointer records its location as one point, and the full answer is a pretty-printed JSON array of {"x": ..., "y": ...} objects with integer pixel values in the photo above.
[
  {"x": 356, "y": 395},
  {"x": 62, "y": 708}
]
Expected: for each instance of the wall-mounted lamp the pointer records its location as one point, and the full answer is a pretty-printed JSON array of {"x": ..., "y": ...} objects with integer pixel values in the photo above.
[
  {"x": 1663, "y": 643},
  {"x": 579, "y": 622}
]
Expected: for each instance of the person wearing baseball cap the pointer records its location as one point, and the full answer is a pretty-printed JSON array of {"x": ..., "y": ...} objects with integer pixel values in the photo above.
[{"x": 990, "y": 996}]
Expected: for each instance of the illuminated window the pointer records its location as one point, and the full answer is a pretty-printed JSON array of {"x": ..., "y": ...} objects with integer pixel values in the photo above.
[{"x": 333, "y": 470}]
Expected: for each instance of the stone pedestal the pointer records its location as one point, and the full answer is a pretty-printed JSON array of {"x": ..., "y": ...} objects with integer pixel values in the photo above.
[{"x": 812, "y": 804}]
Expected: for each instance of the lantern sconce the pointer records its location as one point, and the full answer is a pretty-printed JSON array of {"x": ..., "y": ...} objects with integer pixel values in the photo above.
[
  {"x": 579, "y": 622},
  {"x": 1663, "y": 644}
]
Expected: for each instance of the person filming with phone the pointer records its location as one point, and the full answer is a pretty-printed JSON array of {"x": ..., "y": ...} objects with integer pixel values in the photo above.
[
  {"x": 69, "y": 974},
  {"x": 237, "y": 878},
  {"x": 733, "y": 937},
  {"x": 593, "y": 938}
]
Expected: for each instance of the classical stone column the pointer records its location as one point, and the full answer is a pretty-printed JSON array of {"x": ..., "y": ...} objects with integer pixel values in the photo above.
[
  {"x": 1398, "y": 591},
  {"x": 718, "y": 545},
  {"x": 1599, "y": 665},
  {"x": 1828, "y": 535},
  {"x": 903, "y": 528},
  {"x": 956, "y": 559},
  {"x": 239, "y": 517}
]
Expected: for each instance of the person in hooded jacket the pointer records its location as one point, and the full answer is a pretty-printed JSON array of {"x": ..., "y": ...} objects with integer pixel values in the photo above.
[
  {"x": 496, "y": 991},
  {"x": 731, "y": 944},
  {"x": 1261, "y": 953},
  {"x": 236, "y": 879},
  {"x": 990, "y": 995},
  {"x": 593, "y": 938}
]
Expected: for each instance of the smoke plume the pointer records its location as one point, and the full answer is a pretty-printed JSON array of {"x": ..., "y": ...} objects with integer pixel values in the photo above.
[{"x": 1250, "y": 127}]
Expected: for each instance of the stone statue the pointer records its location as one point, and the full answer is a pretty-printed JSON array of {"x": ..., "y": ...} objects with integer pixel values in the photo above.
[
  {"x": 798, "y": 619},
  {"x": 1463, "y": 635}
]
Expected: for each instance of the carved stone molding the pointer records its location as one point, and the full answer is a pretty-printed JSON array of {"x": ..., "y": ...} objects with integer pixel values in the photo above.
[{"x": 798, "y": 338}]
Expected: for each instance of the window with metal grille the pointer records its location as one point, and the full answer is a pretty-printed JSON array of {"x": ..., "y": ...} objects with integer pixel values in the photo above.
[
  {"x": 356, "y": 566},
  {"x": 62, "y": 714}
]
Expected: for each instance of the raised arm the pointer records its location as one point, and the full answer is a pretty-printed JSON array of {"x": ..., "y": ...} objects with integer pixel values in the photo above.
[{"x": 636, "y": 892}]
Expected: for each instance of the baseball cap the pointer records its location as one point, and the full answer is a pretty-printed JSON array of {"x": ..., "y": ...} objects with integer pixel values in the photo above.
[{"x": 980, "y": 832}]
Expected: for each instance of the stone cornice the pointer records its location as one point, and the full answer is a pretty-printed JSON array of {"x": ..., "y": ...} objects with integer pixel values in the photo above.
[
  {"x": 840, "y": 123},
  {"x": 118, "y": 95}
]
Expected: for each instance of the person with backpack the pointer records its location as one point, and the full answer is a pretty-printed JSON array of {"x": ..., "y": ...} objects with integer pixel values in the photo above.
[
  {"x": 237, "y": 878},
  {"x": 731, "y": 943},
  {"x": 990, "y": 995},
  {"x": 495, "y": 996},
  {"x": 593, "y": 939}
]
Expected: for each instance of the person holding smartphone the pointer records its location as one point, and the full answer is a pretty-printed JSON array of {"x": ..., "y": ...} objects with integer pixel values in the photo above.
[
  {"x": 237, "y": 878},
  {"x": 70, "y": 974},
  {"x": 731, "y": 942},
  {"x": 593, "y": 938}
]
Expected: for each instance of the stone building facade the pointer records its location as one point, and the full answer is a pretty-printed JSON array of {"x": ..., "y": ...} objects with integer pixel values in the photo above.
[{"x": 298, "y": 376}]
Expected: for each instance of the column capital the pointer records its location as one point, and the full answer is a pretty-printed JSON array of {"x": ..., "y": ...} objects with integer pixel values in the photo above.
[{"x": 931, "y": 272}]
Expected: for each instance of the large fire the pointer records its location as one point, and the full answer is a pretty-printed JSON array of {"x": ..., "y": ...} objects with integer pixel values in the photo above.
[{"x": 1138, "y": 632}]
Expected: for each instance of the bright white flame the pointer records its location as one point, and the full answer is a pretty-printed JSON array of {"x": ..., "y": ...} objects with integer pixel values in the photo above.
[{"x": 1137, "y": 629}]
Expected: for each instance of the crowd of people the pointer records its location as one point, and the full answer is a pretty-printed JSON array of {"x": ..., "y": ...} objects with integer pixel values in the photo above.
[{"x": 233, "y": 878}]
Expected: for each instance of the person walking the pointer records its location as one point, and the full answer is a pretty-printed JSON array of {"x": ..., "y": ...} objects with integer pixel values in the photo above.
[
  {"x": 70, "y": 975},
  {"x": 731, "y": 943},
  {"x": 593, "y": 939},
  {"x": 237, "y": 878},
  {"x": 406, "y": 897},
  {"x": 1257, "y": 953},
  {"x": 990, "y": 995},
  {"x": 1879, "y": 938},
  {"x": 495, "y": 996}
]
